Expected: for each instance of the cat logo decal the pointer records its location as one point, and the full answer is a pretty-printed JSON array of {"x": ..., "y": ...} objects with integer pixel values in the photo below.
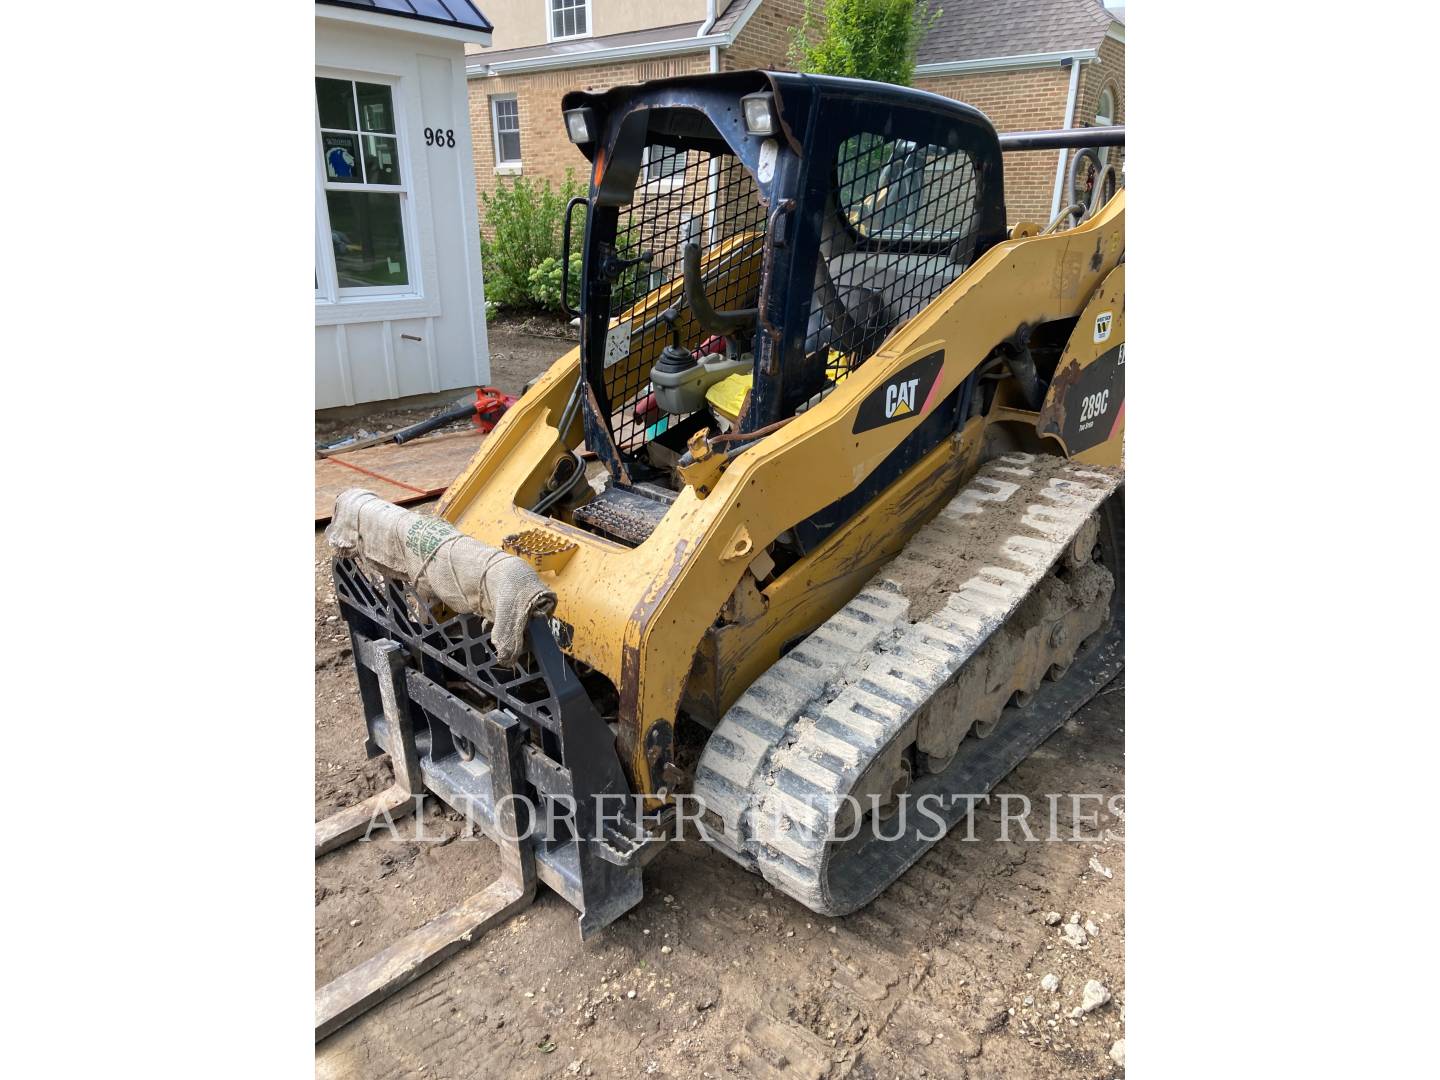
[{"x": 908, "y": 394}]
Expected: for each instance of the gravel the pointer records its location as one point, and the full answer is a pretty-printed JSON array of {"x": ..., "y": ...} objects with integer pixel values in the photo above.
[{"x": 1093, "y": 996}]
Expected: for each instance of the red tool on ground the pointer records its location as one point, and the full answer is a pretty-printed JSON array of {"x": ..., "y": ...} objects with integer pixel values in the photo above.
[
  {"x": 490, "y": 405},
  {"x": 484, "y": 412}
]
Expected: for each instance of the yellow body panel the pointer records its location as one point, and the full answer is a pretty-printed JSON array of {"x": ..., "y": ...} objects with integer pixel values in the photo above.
[
  {"x": 1082, "y": 353},
  {"x": 643, "y": 615}
]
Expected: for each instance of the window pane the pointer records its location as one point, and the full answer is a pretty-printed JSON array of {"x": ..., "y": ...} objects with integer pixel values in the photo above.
[
  {"x": 382, "y": 160},
  {"x": 567, "y": 18},
  {"x": 509, "y": 146},
  {"x": 506, "y": 112},
  {"x": 663, "y": 161},
  {"x": 342, "y": 157},
  {"x": 337, "y": 103},
  {"x": 375, "y": 111},
  {"x": 369, "y": 238}
]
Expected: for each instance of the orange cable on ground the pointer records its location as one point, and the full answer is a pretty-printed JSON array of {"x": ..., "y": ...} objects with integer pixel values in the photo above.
[{"x": 378, "y": 476}]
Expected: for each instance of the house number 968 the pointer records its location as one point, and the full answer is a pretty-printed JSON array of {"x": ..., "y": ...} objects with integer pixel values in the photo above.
[{"x": 439, "y": 136}]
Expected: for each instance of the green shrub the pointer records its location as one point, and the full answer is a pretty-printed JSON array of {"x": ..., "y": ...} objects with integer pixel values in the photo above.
[
  {"x": 545, "y": 281},
  {"x": 525, "y": 221},
  {"x": 863, "y": 39}
]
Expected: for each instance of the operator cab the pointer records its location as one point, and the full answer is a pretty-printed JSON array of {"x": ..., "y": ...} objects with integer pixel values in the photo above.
[{"x": 750, "y": 239}]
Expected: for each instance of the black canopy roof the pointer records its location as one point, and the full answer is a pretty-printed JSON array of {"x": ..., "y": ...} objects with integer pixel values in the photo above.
[{"x": 458, "y": 13}]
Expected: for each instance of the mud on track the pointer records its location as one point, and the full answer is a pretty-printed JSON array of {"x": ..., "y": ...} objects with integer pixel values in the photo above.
[{"x": 920, "y": 983}]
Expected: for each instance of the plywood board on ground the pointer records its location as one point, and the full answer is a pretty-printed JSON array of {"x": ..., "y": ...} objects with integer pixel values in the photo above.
[{"x": 403, "y": 473}]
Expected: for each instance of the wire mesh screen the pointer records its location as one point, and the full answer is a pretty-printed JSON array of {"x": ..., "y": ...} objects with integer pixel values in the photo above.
[
  {"x": 903, "y": 226},
  {"x": 681, "y": 197}
]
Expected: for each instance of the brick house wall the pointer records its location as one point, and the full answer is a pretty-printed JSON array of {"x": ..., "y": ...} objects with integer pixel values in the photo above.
[
  {"x": 764, "y": 41},
  {"x": 545, "y": 150},
  {"x": 1026, "y": 100},
  {"x": 1015, "y": 100}
]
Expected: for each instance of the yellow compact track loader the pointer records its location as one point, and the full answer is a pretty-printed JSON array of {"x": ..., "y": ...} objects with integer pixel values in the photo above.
[{"x": 826, "y": 508}]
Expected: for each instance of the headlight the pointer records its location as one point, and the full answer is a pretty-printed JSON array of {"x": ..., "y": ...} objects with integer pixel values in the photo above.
[
  {"x": 759, "y": 113},
  {"x": 580, "y": 123}
]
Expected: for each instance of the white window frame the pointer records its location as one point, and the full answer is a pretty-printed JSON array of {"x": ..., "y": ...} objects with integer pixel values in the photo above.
[
  {"x": 663, "y": 183},
  {"x": 584, "y": 5},
  {"x": 1103, "y": 120},
  {"x": 330, "y": 291},
  {"x": 502, "y": 165}
]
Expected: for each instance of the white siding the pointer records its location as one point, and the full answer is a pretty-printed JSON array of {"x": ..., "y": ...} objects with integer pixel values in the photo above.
[{"x": 433, "y": 339}]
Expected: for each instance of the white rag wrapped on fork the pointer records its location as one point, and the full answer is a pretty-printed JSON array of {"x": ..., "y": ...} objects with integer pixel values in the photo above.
[{"x": 443, "y": 564}]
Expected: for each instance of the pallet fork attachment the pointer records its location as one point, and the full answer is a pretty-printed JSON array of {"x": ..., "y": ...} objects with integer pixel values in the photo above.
[
  {"x": 366, "y": 985},
  {"x": 538, "y": 746}
]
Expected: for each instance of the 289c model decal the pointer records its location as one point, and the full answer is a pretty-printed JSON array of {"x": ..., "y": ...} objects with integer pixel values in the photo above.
[
  {"x": 1085, "y": 405},
  {"x": 1094, "y": 405}
]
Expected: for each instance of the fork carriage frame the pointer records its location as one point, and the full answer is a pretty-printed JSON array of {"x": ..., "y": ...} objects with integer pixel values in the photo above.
[
  {"x": 565, "y": 754},
  {"x": 541, "y": 744}
]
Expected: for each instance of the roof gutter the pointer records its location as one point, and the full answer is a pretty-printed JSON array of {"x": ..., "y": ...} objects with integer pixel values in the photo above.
[
  {"x": 1006, "y": 63},
  {"x": 477, "y": 67},
  {"x": 1069, "y": 123},
  {"x": 709, "y": 22},
  {"x": 644, "y": 50}
]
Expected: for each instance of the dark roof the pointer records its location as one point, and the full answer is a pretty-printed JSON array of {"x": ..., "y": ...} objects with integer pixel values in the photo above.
[
  {"x": 729, "y": 14},
  {"x": 461, "y": 14},
  {"x": 985, "y": 29}
]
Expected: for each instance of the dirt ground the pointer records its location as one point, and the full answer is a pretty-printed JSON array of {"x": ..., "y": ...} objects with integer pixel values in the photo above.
[
  {"x": 520, "y": 349},
  {"x": 714, "y": 974}
]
